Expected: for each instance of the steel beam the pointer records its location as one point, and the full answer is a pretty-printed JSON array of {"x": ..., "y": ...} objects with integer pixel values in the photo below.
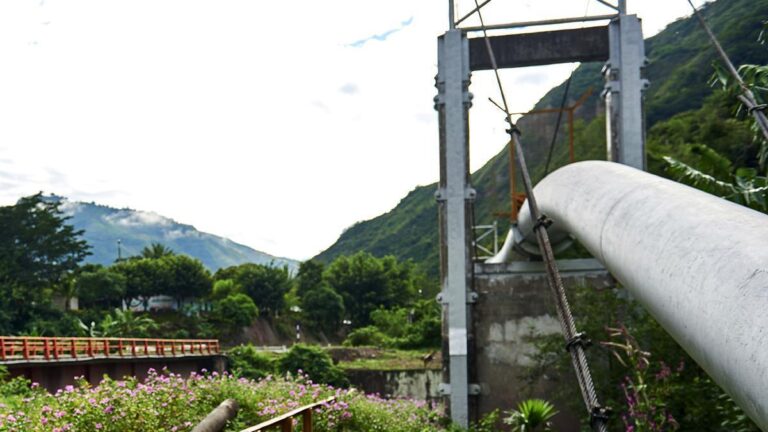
[
  {"x": 454, "y": 196},
  {"x": 696, "y": 262},
  {"x": 523, "y": 24},
  {"x": 542, "y": 48}
]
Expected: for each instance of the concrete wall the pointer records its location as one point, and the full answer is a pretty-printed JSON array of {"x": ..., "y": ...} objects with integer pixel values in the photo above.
[
  {"x": 514, "y": 302},
  {"x": 56, "y": 375},
  {"x": 420, "y": 384}
]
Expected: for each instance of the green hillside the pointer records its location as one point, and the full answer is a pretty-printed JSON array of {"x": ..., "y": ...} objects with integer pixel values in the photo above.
[
  {"x": 104, "y": 226},
  {"x": 680, "y": 65}
]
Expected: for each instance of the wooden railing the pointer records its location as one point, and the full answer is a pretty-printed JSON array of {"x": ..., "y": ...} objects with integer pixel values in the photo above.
[
  {"x": 58, "y": 349},
  {"x": 285, "y": 421}
]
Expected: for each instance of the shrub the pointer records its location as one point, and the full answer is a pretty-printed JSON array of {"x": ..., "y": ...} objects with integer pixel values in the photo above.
[
  {"x": 367, "y": 336},
  {"x": 246, "y": 361},
  {"x": 422, "y": 334},
  {"x": 314, "y": 362}
]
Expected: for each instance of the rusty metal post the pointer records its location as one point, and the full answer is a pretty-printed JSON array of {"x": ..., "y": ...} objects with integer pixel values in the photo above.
[
  {"x": 286, "y": 425},
  {"x": 571, "y": 152},
  {"x": 306, "y": 418}
]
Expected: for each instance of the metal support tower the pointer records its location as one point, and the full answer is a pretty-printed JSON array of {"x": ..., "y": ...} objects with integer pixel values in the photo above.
[
  {"x": 623, "y": 93},
  {"x": 620, "y": 43},
  {"x": 455, "y": 197}
]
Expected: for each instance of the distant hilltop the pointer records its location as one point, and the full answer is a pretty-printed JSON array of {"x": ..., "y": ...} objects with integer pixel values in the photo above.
[{"x": 135, "y": 229}]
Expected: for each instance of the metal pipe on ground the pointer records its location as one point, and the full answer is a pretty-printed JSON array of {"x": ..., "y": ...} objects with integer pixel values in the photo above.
[
  {"x": 696, "y": 262},
  {"x": 218, "y": 418}
]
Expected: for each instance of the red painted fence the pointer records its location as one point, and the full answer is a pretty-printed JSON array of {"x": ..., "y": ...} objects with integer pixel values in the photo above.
[{"x": 62, "y": 349}]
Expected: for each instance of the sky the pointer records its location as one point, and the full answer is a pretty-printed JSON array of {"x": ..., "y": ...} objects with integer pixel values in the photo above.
[{"x": 275, "y": 124}]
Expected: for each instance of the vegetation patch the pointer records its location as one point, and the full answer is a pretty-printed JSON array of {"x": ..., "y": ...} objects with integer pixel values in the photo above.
[
  {"x": 386, "y": 359},
  {"x": 169, "y": 402}
]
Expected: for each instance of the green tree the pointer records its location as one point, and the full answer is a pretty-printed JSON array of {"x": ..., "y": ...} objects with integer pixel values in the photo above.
[
  {"x": 235, "y": 312},
  {"x": 367, "y": 283},
  {"x": 309, "y": 276},
  {"x": 145, "y": 277},
  {"x": 38, "y": 251},
  {"x": 323, "y": 308},
  {"x": 187, "y": 278},
  {"x": 265, "y": 284},
  {"x": 100, "y": 287},
  {"x": 223, "y": 288}
]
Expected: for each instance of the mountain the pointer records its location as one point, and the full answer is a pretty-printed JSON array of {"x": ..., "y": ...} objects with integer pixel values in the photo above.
[
  {"x": 105, "y": 226},
  {"x": 681, "y": 62}
]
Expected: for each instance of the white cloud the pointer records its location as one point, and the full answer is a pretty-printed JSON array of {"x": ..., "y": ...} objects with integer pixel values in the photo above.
[
  {"x": 70, "y": 208},
  {"x": 176, "y": 234},
  {"x": 137, "y": 218}
]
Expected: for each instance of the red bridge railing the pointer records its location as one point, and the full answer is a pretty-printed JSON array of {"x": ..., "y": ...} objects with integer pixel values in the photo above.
[{"x": 60, "y": 348}]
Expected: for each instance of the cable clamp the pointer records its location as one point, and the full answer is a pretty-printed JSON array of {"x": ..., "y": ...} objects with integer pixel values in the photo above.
[
  {"x": 542, "y": 221},
  {"x": 578, "y": 339},
  {"x": 760, "y": 107},
  {"x": 599, "y": 414},
  {"x": 514, "y": 130}
]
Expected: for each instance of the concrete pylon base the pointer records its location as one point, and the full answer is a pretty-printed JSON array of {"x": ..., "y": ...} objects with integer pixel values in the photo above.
[{"x": 514, "y": 303}]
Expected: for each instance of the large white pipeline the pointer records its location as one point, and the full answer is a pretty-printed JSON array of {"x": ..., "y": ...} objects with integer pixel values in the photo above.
[{"x": 697, "y": 262}]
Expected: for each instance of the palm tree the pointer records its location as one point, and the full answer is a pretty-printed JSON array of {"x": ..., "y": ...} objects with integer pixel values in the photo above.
[
  {"x": 156, "y": 250},
  {"x": 531, "y": 415}
]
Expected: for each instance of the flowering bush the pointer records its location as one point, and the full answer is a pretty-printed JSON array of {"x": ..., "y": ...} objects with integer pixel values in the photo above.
[
  {"x": 646, "y": 402},
  {"x": 170, "y": 402}
]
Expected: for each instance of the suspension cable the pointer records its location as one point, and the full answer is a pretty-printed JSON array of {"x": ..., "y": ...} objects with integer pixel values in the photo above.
[
  {"x": 557, "y": 125},
  {"x": 575, "y": 342}
]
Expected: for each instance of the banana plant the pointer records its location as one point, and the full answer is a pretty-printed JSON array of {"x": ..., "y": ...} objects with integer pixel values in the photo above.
[{"x": 715, "y": 175}]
